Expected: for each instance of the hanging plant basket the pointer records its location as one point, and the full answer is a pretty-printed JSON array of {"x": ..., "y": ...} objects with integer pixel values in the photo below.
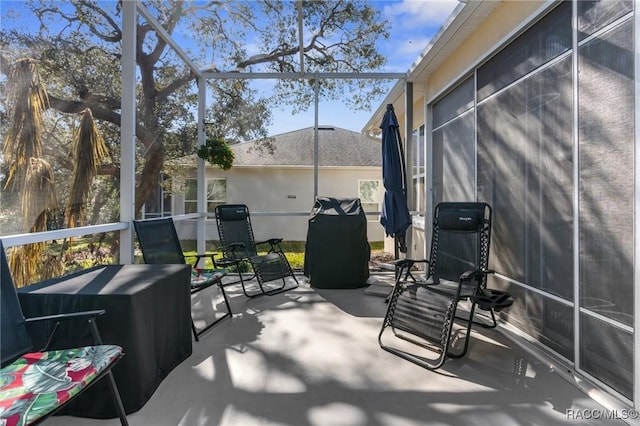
[{"x": 217, "y": 152}]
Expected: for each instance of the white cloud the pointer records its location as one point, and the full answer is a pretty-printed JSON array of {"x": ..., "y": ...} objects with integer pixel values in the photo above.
[
  {"x": 419, "y": 13},
  {"x": 413, "y": 24}
]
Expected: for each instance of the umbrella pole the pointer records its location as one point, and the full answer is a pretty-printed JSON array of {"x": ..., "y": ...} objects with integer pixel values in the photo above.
[{"x": 396, "y": 252}]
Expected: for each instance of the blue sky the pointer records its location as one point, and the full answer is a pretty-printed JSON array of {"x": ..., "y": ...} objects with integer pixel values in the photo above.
[{"x": 413, "y": 24}]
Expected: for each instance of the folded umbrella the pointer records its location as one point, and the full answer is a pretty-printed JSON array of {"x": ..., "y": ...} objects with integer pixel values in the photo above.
[{"x": 395, "y": 216}]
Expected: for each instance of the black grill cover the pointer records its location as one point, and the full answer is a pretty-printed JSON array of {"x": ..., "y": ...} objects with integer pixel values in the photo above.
[{"x": 337, "y": 251}]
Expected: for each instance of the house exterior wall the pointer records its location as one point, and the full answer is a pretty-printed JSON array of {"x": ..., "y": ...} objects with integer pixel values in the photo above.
[
  {"x": 553, "y": 151},
  {"x": 507, "y": 17},
  {"x": 285, "y": 189},
  {"x": 496, "y": 27}
]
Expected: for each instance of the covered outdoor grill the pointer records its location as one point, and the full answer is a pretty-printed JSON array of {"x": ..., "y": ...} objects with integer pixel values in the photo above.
[{"x": 337, "y": 249}]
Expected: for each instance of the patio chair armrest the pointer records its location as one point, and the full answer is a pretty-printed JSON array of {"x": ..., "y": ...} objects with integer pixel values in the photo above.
[
  {"x": 232, "y": 247},
  {"x": 200, "y": 256},
  {"x": 403, "y": 263},
  {"x": 404, "y": 266},
  {"x": 67, "y": 316},
  {"x": 58, "y": 318},
  {"x": 475, "y": 275},
  {"x": 273, "y": 242}
]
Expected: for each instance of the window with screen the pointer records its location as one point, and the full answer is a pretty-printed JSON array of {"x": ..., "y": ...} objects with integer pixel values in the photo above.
[
  {"x": 370, "y": 193},
  {"x": 216, "y": 194}
]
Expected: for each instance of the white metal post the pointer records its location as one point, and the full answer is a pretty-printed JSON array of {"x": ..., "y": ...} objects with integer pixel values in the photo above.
[
  {"x": 636, "y": 255},
  {"x": 128, "y": 130},
  {"x": 201, "y": 228},
  {"x": 576, "y": 192},
  {"x": 316, "y": 86}
]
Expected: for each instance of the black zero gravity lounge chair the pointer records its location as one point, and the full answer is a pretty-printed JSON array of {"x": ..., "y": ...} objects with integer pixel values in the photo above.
[
  {"x": 160, "y": 245},
  {"x": 238, "y": 245},
  {"x": 422, "y": 311},
  {"x": 34, "y": 385}
]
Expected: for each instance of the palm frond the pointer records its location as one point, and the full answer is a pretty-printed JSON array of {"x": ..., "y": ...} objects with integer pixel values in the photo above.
[
  {"x": 89, "y": 151},
  {"x": 52, "y": 267},
  {"x": 24, "y": 262},
  {"x": 28, "y": 96},
  {"x": 38, "y": 196}
]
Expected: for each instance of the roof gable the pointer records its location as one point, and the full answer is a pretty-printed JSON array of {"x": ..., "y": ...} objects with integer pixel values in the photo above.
[{"x": 336, "y": 147}]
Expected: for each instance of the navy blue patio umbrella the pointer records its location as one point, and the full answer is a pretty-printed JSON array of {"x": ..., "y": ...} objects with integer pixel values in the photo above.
[{"x": 395, "y": 216}]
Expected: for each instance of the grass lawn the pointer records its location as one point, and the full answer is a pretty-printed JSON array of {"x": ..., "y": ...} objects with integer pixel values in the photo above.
[
  {"x": 84, "y": 253},
  {"x": 294, "y": 251}
]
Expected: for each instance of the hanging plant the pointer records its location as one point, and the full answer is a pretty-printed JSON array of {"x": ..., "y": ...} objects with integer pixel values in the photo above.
[{"x": 217, "y": 152}]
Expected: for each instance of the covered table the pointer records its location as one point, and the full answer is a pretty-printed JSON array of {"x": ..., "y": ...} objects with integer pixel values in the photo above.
[
  {"x": 337, "y": 250},
  {"x": 148, "y": 313}
]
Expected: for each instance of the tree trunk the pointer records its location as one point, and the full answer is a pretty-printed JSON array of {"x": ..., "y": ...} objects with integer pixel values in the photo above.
[{"x": 150, "y": 176}]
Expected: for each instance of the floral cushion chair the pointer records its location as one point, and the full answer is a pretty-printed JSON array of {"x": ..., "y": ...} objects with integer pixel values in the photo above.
[{"x": 34, "y": 385}]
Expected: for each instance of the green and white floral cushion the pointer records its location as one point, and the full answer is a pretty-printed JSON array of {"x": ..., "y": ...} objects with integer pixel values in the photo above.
[
  {"x": 38, "y": 383},
  {"x": 201, "y": 277}
]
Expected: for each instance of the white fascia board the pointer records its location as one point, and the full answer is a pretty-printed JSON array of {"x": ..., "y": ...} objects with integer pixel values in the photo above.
[{"x": 435, "y": 50}]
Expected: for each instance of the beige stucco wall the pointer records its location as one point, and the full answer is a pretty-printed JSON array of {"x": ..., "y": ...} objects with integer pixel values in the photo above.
[
  {"x": 494, "y": 29},
  {"x": 285, "y": 189}
]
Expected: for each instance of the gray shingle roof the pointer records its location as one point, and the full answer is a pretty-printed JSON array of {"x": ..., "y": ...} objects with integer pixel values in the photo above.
[{"x": 337, "y": 147}]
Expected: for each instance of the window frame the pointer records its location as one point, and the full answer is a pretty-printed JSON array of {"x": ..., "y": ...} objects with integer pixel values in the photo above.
[
  {"x": 211, "y": 202},
  {"x": 380, "y": 191}
]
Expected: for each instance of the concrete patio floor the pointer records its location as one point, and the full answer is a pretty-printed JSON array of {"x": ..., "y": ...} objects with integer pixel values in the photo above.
[{"x": 311, "y": 357}]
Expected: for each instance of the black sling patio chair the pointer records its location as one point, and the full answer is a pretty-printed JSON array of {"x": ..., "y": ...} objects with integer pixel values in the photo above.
[
  {"x": 35, "y": 385},
  {"x": 423, "y": 310},
  {"x": 160, "y": 244},
  {"x": 238, "y": 246}
]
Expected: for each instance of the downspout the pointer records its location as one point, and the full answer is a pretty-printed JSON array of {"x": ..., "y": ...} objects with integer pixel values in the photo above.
[{"x": 408, "y": 152}]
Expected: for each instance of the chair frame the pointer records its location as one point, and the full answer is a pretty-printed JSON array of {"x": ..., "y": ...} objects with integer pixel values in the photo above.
[
  {"x": 470, "y": 285},
  {"x": 235, "y": 253},
  {"x": 90, "y": 317},
  {"x": 140, "y": 226}
]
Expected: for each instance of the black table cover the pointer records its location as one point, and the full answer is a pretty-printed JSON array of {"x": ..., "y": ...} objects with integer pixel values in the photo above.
[{"x": 148, "y": 313}]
